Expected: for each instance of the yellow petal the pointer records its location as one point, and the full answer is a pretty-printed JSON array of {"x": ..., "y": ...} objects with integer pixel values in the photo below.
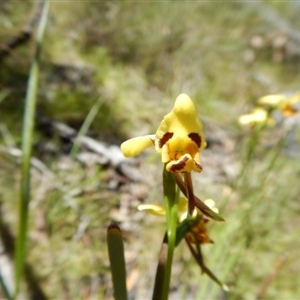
[
  {"x": 137, "y": 145},
  {"x": 272, "y": 100},
  {"x": 153, "y": 209},
  {"x": 259, "y": 115}
]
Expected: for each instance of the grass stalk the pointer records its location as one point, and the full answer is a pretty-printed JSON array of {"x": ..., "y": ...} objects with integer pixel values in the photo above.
[
  {"x": 27, "y": 138},
  {"x": 86, "y": 124}
]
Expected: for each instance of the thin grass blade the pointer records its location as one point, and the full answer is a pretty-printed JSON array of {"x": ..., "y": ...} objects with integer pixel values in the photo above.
[{"x": 27, "y": 137}]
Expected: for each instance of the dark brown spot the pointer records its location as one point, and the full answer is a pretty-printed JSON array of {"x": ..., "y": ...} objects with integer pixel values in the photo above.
[
  {"x": 179, "y": 166},
  {"x": 196, "y": 138},
  {"x": 165, "y": 138}
]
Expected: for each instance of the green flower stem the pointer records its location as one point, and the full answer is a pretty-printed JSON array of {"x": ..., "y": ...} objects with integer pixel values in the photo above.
[
  {"x": 250, "y": 150},
  {"x": 27, "y": 137},
  {"x": 171, "y": 196}
]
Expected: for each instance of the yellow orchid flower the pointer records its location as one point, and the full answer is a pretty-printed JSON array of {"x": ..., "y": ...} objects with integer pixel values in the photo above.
[
  {"x": 179, "y": 138},
  {"x": 198, "y": 232},
  {"x": 282, "y": 102}
]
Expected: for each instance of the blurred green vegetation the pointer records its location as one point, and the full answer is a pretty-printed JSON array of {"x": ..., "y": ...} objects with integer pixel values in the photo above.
[{"x": 138, "y": 56}]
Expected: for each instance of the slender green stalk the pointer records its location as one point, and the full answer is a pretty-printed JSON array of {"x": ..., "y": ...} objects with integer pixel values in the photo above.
[
  {"x": 171, "y": 196},
  {"x": 117, "y": 261},
  {"x": 86, "y": 124},
  {"x": 250, "y": 151},
  {"x": 27, "y": 136}
]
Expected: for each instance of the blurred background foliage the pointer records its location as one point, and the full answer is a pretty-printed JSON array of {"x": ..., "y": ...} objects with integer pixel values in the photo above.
[{"x": 137, "y": 56}]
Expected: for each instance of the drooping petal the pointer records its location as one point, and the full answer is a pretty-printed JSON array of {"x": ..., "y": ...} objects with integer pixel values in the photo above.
[{"x": 137, "y": 145}]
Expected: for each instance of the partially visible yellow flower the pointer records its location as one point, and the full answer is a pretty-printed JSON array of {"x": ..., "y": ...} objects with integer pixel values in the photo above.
[
  {"x": 282, "y": 102},
  {"x": 198, "y": 232},
  {"x": 159, "y": 210},
  {"x": 258, "y": 115},
  {"x": 153, "y": 209},
  {"x": 276, "y": 101},
  {"x": 179, "y": 138}
]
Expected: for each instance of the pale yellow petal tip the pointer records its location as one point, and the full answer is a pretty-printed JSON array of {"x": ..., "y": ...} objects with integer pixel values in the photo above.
[
  {"x": 152, "y": 209},
  {"x": 184, "y": 105},
  {"x": 137, "y": 145},
  {"x": 183, "y": 98}
]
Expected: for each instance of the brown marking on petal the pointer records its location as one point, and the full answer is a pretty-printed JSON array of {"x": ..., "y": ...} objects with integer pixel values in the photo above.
[
  {"x": 179, "y": 166},
  {"x": 195, "y": 137},
  {"x": 165, "y": 138},
  {"x": 199, "y": 166}
]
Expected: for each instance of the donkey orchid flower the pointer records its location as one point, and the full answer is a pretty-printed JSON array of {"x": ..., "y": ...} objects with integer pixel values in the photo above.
[
  {"x": 282, "y": 102},
  {"x": 179, "y": 138}
]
